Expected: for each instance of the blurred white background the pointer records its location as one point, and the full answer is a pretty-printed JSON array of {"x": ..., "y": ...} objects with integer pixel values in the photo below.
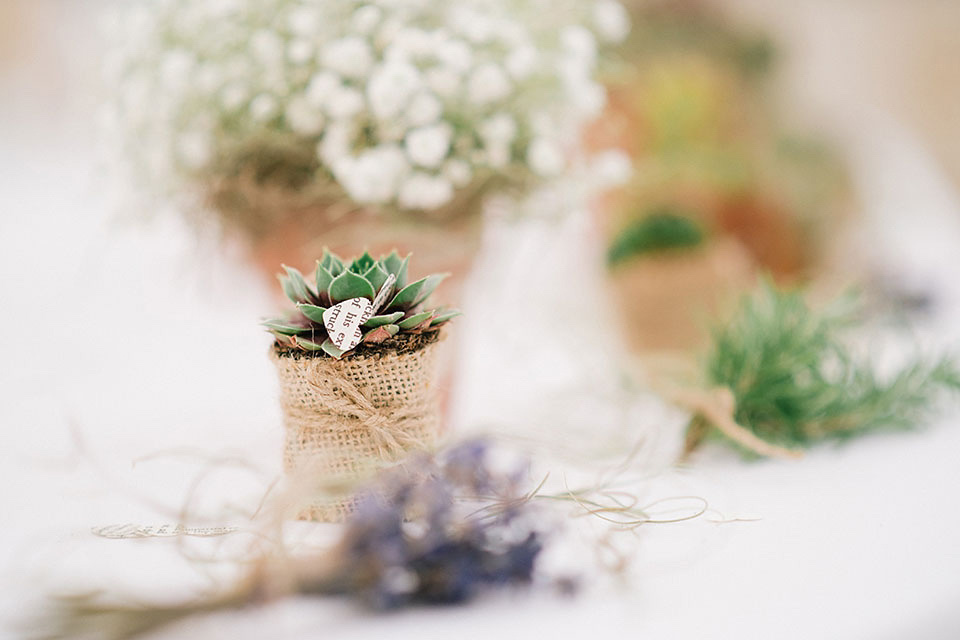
[{"x": 133, "y": 361}]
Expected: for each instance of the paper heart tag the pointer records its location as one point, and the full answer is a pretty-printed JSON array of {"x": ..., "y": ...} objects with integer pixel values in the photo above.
[{"x": 343, "y": 321}]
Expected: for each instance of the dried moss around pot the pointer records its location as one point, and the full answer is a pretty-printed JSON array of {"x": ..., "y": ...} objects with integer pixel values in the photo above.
[{"x": 399, "y": 344}]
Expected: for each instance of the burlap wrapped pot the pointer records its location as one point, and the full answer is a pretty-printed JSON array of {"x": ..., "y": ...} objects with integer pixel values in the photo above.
[
  {"x": 668, "y": 301},
  {"x": 344, "y": 419}
]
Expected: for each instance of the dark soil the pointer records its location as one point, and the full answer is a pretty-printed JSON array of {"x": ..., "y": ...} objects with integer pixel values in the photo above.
[{"x": 400, "y": 344}]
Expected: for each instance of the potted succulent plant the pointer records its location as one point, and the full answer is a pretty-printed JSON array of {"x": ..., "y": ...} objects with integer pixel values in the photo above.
[
  {"x": 357, "y": 368},
  {"x": 671, "y": 278},
  {"x": 693, "y": 107}
]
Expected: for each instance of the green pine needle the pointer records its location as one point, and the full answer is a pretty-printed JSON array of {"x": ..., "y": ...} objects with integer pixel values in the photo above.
[{"x": 796, "y": 382}]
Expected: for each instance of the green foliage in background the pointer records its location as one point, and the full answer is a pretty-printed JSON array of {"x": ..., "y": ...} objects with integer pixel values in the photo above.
[
  {"x": 662, "y": 229},
  {"x": 796, "y": 382}
]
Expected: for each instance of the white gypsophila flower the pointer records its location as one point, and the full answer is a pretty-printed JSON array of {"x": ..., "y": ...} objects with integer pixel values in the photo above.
[
  {"x": 365, "y": 19},
  {"x": 304, "y": 21},
  {"x": 303, "y": 117},
  {"x": 451, "y": 89},
  {"x": 320, "y": 87},
  {"x": 545, "y": 157},
  {"x": 612, "y": 168},
  {"x": 455, "y": 55},
  {"x": 337, "y": 142},
  {"x": 267, "y": 46},
  {"x": 471, "y": 24},
  {"x": 373, "y": 176},
  {"x": 175, "y": 69},
  {"x": 424, "y": 191},
  {"x": 350, "y": 57},
  {"x": 540, "y": 123},
  {"x": 409, "y": 43},
  {"x": 428, "y": 146},
  {"x": 522, "y": 61},
  {"x": 300, "y": 51},
  {"x": 424, "y": 109},
  {"x": 592, "y": 99},
  {"x": 444, "y": 82},
  {"x": 611, "y": 20},
  {"x": 488, "y": 83},
  {"x": 209, "y": 78},
  {"x": 499, "y": 128},
  {"x": 582, "y": 93},
  {"x": 194, "y": 149},
  {"x": 234, "y": 95},
  {"x": 344, "y": 102},
  {"x": 580, "y": 43},
  {"x": 218, "y": 9},
  {"x": 264, "y": 107},
  {"x": 390, "y": 87},
  {"x": 457, "y": 172},
  {"x": 496, "y": 154}
]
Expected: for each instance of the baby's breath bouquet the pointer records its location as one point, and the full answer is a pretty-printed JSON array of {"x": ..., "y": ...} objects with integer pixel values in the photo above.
[{"x": 273, "y": 108}]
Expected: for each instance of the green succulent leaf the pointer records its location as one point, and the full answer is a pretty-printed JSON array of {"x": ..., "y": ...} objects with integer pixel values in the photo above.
[
  {"x": 444, "y": 317},
  {"x": 376, "y": 276},
  {"x": 308, "y": 345},
  {"x": 323, "y": 277},
  {"x": 407, "y": 297},
  {"x": 396, "y": 265},
  {"x": 295, "y": 286},
  {"x": 429, "y": 285},
  {"x": 331, "y": 349},
  {"x": 362, "y": 264},
  {"x": 284, "y": 341},
  {"x": 379, "y": 321},
  {"x": 349, "y": 285},
  {"x": 415, "y": 320},
  {"x": 283, "y": 328},
  {"x": 313, "y": 312},
  {"x": 380, "y": 334},
  {"x": 331, "y": 262}
]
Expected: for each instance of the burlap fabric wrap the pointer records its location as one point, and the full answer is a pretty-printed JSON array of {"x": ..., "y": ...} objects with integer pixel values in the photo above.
[
  {"x": 669, "y": 301},
  {"x": 346, "y": 418}
]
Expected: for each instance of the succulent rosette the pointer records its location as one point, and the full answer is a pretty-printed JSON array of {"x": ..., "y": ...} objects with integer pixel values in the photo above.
[
  {"x": 384, "y": 104},
  {"x": 402, "y": 313}
]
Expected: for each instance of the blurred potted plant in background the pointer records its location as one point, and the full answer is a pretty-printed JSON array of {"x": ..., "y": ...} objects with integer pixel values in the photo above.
[
  {"x": 304, "y": 124},
  {"x": 670, "y": 274},
  {"x": 690, "y": 102}
]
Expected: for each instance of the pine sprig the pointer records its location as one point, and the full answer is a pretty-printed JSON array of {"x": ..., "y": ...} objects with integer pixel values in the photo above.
[{"x": 796, "y": 382}]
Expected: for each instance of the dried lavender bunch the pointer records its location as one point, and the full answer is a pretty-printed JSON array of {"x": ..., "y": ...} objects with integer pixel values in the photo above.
[
  {"x": 435, "y": 530},
  {"x": 413, "y": 539}
]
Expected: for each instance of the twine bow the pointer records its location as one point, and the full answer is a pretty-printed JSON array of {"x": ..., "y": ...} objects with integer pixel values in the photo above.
[
  {"x": 390, "y": 431},
  {"x": 341, "y": 407}
]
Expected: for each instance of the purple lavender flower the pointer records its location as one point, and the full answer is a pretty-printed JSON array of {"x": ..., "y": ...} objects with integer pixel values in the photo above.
[{"x": 416, "y": 535}]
